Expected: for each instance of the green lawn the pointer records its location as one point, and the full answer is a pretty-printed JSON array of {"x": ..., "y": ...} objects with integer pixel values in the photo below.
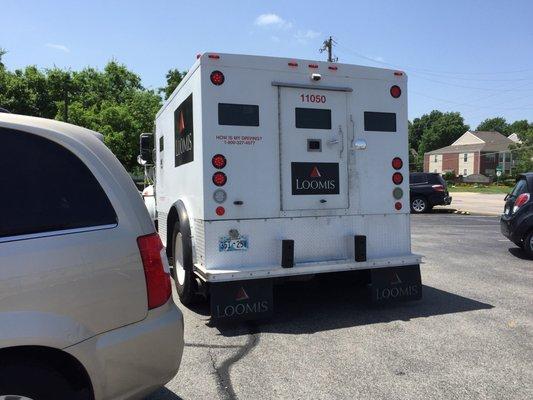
[{"x": 481, "y": 189}]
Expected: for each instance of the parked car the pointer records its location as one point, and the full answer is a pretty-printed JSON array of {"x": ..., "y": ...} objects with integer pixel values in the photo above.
[
  {"x": 85, "y": 310},
  {"x": 516, "y": 222},
  {"x": 427, "y": 190}
]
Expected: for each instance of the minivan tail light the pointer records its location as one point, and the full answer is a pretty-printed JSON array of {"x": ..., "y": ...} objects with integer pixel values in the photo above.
[
  {"x": 520, "y": 201},
  {"x": 438, "y": 188},
  {"x": 157, "y": 279}
]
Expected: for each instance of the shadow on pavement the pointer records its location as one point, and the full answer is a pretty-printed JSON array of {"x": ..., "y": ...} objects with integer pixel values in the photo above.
[
  {"x": 321, "y": 305},
  {"x": 519, "y": 253}
]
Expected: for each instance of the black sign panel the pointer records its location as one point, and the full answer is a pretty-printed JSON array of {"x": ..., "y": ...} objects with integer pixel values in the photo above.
[
  {"x": 183, "y": 133},
  {"x": 314, "y": 178},
  {"x": 241, "y": 300},
  {"x": 396, "y": 284},
  {"x": 380, "y": 121}
]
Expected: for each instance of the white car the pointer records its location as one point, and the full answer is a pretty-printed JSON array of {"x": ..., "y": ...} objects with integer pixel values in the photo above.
[{"x": 86, "y": 309}]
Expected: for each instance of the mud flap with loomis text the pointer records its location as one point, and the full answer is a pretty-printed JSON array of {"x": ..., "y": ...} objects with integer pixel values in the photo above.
[
  {"x": 241, "y": 300},
  {"x": 395, "y": 284}
]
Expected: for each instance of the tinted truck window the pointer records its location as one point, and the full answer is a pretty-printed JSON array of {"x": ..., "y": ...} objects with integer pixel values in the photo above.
[
  {"x": 380, "y": 121},
  {"x": 46, "y": 188},
  {"x": 313, "y": 118},
  {"x": 238, "y": 114}
]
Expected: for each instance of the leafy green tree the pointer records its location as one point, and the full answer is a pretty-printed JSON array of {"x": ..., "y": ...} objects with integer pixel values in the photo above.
[
  {"x": 495, "y": 124},
  {"x": 433, "y": 131},
  {"x": 174, "y": 77},
  {"x": 520, "y": 126},
  {"x": 523, "y": 152}
]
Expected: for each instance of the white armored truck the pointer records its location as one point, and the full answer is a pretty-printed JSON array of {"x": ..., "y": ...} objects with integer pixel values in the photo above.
[{"x": 274, "y": 167}]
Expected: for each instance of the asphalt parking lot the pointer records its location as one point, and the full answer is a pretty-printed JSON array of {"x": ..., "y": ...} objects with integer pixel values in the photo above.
[{"x": 471, "y": 337}]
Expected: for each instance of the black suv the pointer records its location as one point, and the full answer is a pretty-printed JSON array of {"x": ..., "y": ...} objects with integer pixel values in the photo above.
[
  {"x": 516, "y": 222},
  {"x": 427, "y": 190}
]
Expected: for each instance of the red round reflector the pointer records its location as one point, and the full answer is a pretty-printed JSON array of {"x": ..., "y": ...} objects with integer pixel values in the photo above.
[
  {"x": 397, "y": 178},
  {"x": 218, "y": 161},
  {"x": 217, "y": 78},
  {"x": 397, "y": 163},
  {"x": 398, "y": 205},
  {"x": 220, "y": 210},
  {"x": 395, "y": 91},
  {"x": 219, "y": 178}
]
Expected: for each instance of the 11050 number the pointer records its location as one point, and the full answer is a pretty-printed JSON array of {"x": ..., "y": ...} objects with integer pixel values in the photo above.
[{"x": 313, "y": 98}]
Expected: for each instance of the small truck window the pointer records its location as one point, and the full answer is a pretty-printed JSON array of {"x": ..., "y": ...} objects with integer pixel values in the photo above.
[
  {"x": 313, "y": 118},
  {"x": 380, "y": 121},
  {"x": 238, "y": 114}
]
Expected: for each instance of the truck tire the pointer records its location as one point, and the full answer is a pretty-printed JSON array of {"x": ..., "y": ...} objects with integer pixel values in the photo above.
[
  {"x": 34, "y": 380},
  {"x": 419, "y": 205},
  {"x": 182, "y": 270},
  {"x": 528, "y": 244}
]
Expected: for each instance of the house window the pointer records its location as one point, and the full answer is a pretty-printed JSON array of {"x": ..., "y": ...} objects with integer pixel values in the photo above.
[
  {"x": 435, "y": 159},
  {"x": 465, "y": 157},
  {"x": 465, "y": 172}
]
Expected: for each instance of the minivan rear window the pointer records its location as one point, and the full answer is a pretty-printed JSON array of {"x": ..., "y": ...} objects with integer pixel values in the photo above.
[
  {"x": 47, "y": 188},
  {"x": 238, "y": 114},
  {"x": 313, "y": 118},
  {"x": 380, "y": 121}
]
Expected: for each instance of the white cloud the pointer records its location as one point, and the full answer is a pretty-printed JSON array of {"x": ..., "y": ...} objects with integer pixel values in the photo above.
[
  {"x": 272, "y": 20},
  {"x": 304, "y": 36},
  {"x": 375, "y": 58},
  {"x": 61, "y": 47}
]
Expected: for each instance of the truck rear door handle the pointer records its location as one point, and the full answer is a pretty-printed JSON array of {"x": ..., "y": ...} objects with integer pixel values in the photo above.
[{"x": 323, "y": 201}]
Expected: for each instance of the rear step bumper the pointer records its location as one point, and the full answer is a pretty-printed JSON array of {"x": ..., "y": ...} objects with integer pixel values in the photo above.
[{"x": 248, "y": 273}]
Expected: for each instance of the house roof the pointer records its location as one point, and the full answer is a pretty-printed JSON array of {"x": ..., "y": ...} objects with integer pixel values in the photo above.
[{"x": 492, "y": 141}]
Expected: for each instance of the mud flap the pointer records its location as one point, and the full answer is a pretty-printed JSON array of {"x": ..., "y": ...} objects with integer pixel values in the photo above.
[
  {"x": 241, "y": 300},
  {"x": 395, "y": 284}
]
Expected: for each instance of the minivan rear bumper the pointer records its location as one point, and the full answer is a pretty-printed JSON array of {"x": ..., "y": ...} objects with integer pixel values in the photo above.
[{"x": 133, "y": 361}]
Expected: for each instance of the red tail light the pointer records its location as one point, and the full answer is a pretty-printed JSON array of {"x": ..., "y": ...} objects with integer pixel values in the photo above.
[
  {"x": 397, "y": 163},
  {"x": 214, "y": 56},
  {"x": 438, "y": 188},
  {"x": 218, "y": 161},
  {"x": 217, "y": 78},
  {"x": 520, "y": 201},
  {"x": 398, "y": 206},
  {"x": 219, "y": 178},
  {"x": 397, "y": 178},
  {"x": 395, "y": 91},
  {"x": 220, "y": 211},
  {"x": 157, "y": 279}
]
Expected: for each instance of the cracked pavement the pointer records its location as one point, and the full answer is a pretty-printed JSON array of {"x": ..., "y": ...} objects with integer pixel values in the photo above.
[{"x": 469, "y": 338}]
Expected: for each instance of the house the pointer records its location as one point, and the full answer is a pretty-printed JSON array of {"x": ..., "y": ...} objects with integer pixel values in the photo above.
[{"x": 475, "y": 152}]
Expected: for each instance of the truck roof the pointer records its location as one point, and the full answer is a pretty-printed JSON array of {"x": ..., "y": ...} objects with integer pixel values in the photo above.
[{"x": 296, "y": 66}]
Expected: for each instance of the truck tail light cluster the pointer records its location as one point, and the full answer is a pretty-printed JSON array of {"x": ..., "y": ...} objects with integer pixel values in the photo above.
[
  {"x": 520, "y": 201},
  {"x": 397, "y": 179},
  {"x": 158, "y": 287},
  {"x": 217, "y": 78},
  {"x": 219, "y": 179}
]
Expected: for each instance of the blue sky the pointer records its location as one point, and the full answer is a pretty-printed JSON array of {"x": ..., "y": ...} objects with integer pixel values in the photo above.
[{"x": 474, "y": 56}]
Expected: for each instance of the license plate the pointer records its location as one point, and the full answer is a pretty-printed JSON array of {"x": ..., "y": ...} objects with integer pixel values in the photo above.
[{"x": 229, "y": 244}]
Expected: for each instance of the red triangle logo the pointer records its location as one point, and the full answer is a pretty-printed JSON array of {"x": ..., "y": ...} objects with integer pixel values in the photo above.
[
  {"x": 181, "y": 123},
  {"x": 241, "y": 295},
  {"x": 315, "y": 173},
  {"x": 395, "y": 279}
]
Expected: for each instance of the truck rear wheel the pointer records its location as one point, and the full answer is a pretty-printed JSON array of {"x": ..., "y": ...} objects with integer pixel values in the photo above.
[{"x": 182, "y": 267}]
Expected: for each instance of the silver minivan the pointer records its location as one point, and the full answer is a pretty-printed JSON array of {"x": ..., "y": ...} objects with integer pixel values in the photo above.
[{"x": 86, "y": 309}]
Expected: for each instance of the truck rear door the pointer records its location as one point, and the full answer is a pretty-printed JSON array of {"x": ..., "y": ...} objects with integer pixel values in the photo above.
[{"x": 313, "y": 149}]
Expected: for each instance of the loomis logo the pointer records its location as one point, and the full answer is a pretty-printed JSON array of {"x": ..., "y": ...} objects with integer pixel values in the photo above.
[
  {"x": 184, "y": 133},
  {"x": 315, "y": 178},
  {"x": 241, "y": 295}
]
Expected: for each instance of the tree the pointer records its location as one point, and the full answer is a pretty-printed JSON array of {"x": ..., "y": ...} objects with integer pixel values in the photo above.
[
  {"x": 520, "y": 126},
  {"x": 433, "y": 131},
  {"x": 495, "y": 124},
  {"x": 174, "y": 77},
  {"x": 523, "y": 152},
  {"x": 3, "y": 52},
  {"x": 112, "y": 101}
]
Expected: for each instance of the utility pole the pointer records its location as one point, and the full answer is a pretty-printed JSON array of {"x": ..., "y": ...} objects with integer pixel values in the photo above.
[{"x": 328, "y": 46}]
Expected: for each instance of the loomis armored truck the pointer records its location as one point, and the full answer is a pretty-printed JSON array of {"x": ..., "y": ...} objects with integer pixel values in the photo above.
[{"x": 268, "y": 168}]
